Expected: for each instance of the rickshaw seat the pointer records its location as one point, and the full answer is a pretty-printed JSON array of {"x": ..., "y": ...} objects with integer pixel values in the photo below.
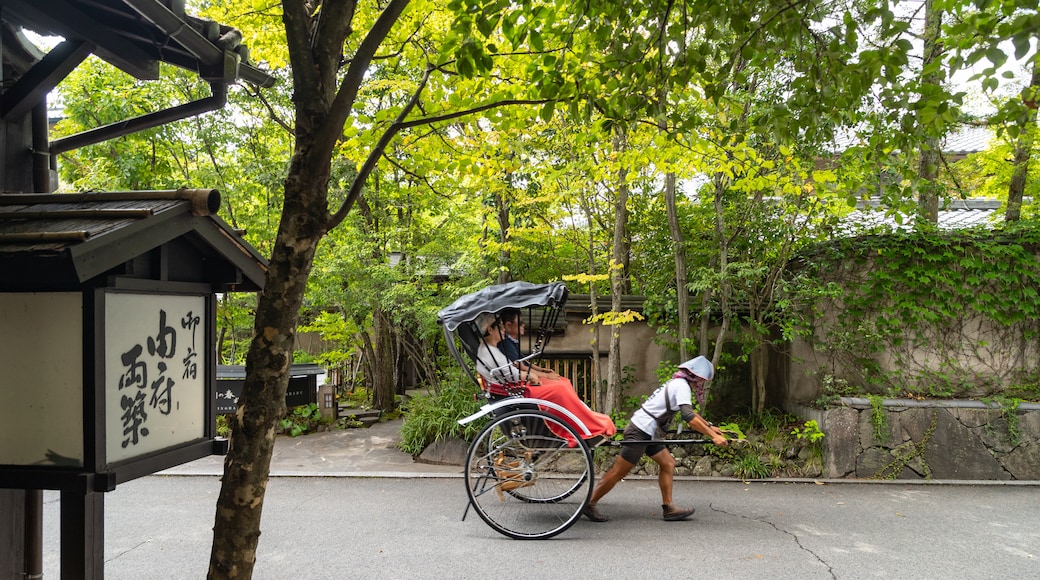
[{"x": 502, "y": 391}]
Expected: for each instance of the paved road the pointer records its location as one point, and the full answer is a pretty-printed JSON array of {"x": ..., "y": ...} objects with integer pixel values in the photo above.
[{"x": 375, "y": 527}]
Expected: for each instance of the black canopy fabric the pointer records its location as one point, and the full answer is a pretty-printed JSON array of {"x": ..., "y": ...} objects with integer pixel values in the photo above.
[{"x": 495, "y": 298}]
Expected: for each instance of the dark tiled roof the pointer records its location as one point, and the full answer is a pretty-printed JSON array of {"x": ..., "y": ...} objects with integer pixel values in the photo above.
[
  {"x": 959, "y": 141},
  {"x": 67, "y": 239},
  {"x": 957, "y": 214},
  {"x": 967, "y": 140}
]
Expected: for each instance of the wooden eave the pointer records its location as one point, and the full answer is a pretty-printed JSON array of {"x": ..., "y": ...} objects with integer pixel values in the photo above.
[
  {"x": 136, "y": 35},
  {"x": 63, "y": 241}
]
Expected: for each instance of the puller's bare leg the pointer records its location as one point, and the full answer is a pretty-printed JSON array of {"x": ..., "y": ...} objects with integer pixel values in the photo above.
[
  {"x": 666, "y": 474},
  {"x": 616, "y": 473},
  {"x": 665, "y": 479}
]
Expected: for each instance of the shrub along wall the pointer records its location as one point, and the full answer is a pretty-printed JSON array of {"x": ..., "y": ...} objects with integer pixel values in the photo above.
[{"x": 910, "y": 439}]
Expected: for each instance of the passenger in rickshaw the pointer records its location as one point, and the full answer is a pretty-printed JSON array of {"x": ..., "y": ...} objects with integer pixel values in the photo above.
[
  {"x": 496, "y": 368},
  {"x": 513, "y": 325}
]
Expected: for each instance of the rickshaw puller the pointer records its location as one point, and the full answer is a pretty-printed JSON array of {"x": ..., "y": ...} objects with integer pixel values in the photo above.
[{"x": 656, "y": 413}]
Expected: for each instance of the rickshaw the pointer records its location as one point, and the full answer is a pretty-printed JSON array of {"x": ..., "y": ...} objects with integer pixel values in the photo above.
[{"x": 529, "y": 472}]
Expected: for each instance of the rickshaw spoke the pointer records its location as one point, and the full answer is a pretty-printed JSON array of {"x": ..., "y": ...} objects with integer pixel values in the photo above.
[{"x": 541, "y": 484}]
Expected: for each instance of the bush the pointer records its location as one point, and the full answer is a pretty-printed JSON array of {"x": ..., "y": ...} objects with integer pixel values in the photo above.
[
  {"x": 434, "y": 417},
  {"x": 300, "y": 420}
]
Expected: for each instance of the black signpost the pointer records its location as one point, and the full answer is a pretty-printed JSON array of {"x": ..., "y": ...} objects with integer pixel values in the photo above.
[
  {"x": 303, "y": 386},
  {"x": 127, "y": 303},
  {"x": 106, "y": 299}
]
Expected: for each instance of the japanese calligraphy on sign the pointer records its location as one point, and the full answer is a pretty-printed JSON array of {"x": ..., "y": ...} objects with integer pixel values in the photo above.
[{"x": 155, "y": 386}]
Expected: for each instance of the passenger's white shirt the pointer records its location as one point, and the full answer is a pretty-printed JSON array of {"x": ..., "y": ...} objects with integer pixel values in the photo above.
[
  {"x": 489, "y": 358},
  {"x": 656, "y": 405}
]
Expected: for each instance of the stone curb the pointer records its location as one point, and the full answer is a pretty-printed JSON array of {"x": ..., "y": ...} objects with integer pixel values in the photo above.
[{"x": 413, "y": 475}]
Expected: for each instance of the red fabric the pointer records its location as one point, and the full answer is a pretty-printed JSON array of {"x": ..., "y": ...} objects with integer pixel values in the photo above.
[
  {"x": 501, "y": 391},
  {"x": 561, "y": 392}
]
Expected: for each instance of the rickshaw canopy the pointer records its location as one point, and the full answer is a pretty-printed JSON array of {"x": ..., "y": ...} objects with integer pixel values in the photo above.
[{"x": 495, "y": 298}]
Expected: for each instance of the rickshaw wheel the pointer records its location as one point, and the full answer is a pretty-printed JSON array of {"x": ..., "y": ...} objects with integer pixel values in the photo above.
[{"x": 524, "y": 480}]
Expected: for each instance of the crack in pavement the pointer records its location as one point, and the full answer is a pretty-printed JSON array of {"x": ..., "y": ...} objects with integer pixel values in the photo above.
[
  {"x": 797, "y": 540},
  {"x": 125, "y": 552}
]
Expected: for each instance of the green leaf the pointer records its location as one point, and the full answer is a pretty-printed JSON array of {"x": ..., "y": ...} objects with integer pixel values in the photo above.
[
  {"x": 996, "y": 56},
  {"x": 464, "y": 66},
  {"x": 486, "y": 25},
  {"x": 1022, "y": 46},
  {"x": 547, "y": 111},
  {"x": 537, "y": 43}
]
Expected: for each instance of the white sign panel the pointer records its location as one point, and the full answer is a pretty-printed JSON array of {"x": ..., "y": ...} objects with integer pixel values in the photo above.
[
  {"x": 154, "y": 372},
  {"x": 41, "y": 379}
]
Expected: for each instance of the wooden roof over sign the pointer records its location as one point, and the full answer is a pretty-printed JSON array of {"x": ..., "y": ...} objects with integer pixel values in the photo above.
[
  {"x": 135, "y": 36},
  {"x": 62, "y": 241}
]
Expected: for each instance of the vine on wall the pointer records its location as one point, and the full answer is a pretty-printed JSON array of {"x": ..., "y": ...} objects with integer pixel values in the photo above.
[{"x": 924, "y": 314}]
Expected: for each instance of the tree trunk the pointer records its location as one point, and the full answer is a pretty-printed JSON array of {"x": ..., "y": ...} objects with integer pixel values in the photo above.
[
  {"x": 928, "y": 172},
  {"x": 679, "y": 249},
  {"x": 236, "y": 529},
  {"x": 323, "y": 98},
  {"x": 618, "y": 277},
  {"x": 725, "y": 289},
  {"x": 220, "y": 343},
  {"x": 759, "y": 360},
  {"x": 502, "y": 214},
  {"x": 1023, "y": 149},
  {"x": 368, "y": 352},
  {"x": 703, "y": 341},
  {"x": 383, "y": 388},
  {"x": 382, "y": 362}
]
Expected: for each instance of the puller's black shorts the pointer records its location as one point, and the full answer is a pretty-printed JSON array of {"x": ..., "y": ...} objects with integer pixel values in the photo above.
[{"x": 632, "y": 452}]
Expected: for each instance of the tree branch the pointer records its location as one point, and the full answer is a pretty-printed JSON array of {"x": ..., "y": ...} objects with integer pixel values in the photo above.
[
  {"x": 791, "y": 5},
  {"x": 330, "y": 132},
  {"x": 463, "y": 113},
  {"x": 296, "y": 19},
  {"x": 414, "y": 175},
  {"x": 399, "y": 124},
  {"x": 256, "y": 92}
]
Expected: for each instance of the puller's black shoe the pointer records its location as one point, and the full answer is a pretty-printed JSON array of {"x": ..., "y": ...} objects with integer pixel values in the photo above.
[
  {"x": 593, "y": 513},
  {"x": 674, "y": 514}
]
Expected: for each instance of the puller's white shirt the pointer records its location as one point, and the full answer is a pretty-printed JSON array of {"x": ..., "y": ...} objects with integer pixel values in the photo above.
[{"x": 649, "y": 415}]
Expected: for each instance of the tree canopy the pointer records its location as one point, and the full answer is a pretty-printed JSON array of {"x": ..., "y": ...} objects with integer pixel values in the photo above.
[{"x": 413, "y": 151}]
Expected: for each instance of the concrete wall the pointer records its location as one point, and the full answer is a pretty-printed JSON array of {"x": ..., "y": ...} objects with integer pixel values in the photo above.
[
  {"x": 985, "y": 354},
  {"x": 638, "y": 349},
  {"x": 956, "y": 440}
]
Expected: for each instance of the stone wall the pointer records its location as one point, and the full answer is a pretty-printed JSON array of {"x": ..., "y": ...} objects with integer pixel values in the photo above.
[{"x": 957, "y": 440}]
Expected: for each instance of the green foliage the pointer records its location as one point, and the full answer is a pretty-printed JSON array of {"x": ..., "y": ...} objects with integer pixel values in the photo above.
[
  {"x": 623, "y": 414},
  {"x": 357, "y": 398},
  {"x": 773, "y": 421},
  {"x": 833, "y": 388},
  {"x": 878, "y": 418},
  {"x": 508, "y": 190},
  {"x": 908, "y": 452},
  {"x": 759, "y": 444},
  {"x": 727, "y": 453},
  {"x": 301, "y": 419},
  {"x": 750, "y": 466},
  {"x": 917, "y": 308},
  {"x": 223, "y": 426},
  {"x": 731, "y": 430},
  {"x": 234, "y": 326},
  {"x": 434, "y": 417},
  {"x": 1009, "y": 412},
  {"x": 809, "y": 431}
]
